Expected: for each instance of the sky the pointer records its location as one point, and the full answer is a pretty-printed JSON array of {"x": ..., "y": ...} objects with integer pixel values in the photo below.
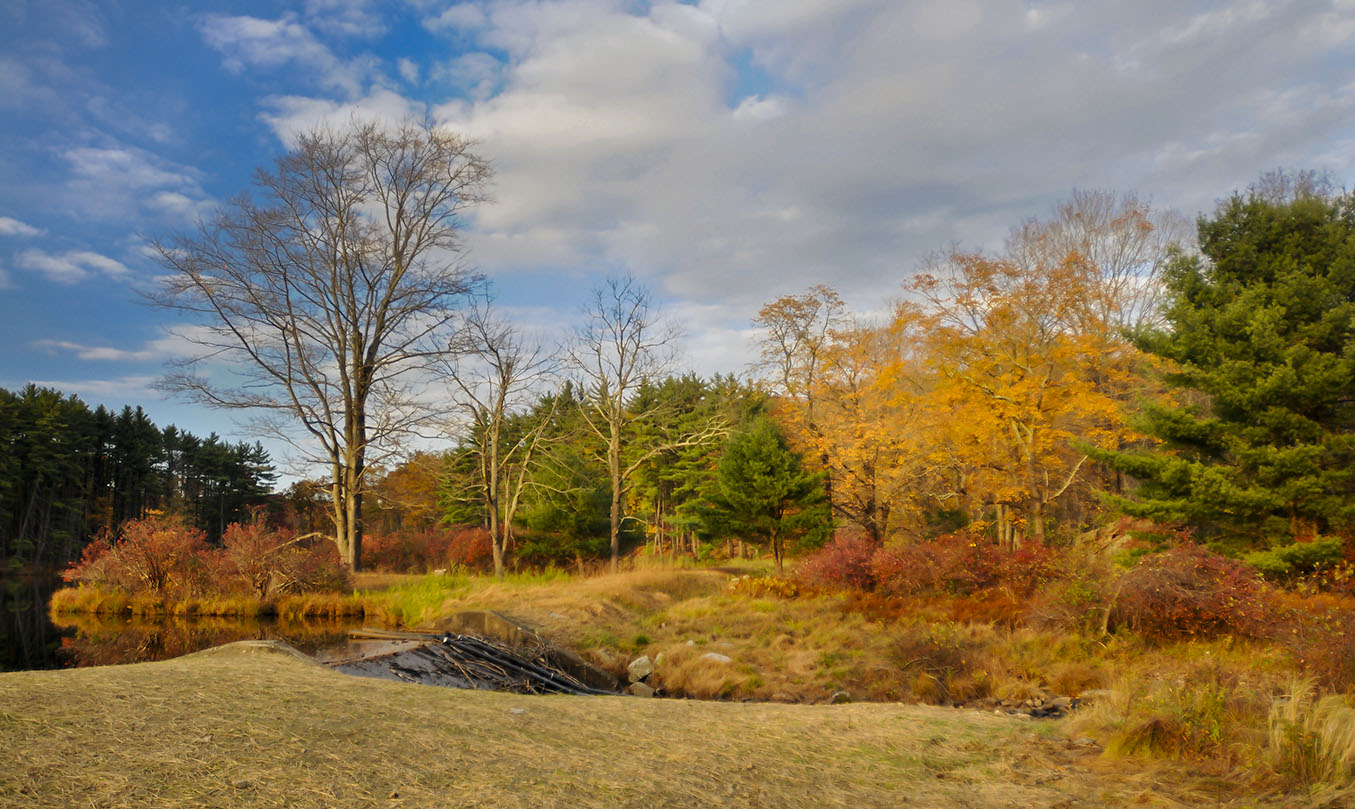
[{"x": 725, "y": 152}]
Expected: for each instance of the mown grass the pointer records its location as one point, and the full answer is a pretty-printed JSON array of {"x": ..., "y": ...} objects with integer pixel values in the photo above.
[{"x": 248, "y": 726}]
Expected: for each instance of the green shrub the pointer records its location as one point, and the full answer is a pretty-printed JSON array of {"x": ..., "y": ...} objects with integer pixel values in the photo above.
[{"x": 1289, "y": 561}]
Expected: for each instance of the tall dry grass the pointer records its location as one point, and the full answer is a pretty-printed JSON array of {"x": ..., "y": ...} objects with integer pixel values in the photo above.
[{"x": 1312, "y": 743}]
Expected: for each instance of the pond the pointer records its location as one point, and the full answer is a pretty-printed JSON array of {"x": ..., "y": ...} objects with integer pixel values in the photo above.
[{"x": 29, "y": 639}]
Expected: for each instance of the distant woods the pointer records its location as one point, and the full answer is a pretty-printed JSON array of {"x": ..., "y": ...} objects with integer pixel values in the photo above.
[{"x": 69, "y": 473}]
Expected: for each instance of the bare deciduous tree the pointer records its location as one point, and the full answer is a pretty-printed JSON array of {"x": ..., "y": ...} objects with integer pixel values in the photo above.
[
  {"x": 622, "y": 344},
  {"x": 494, "y": 369},
  {"x": 329, "y": 291},
  {"x": 1124, "y": 242}
]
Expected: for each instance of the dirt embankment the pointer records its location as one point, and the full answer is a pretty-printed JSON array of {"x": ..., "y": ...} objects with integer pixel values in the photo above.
[{"x": 248, "y": 725}]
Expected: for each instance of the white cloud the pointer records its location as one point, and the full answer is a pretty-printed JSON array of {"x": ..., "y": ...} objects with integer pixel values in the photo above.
[
  {"x": 732, "y": 150},
  {"x": 476, "y": 73},
  {"x": 356, "y": 18},
  {"x": 460, "y": 17},
  {"x": 110, "y": 181},
  {"x": 289, "y": 116},
  {"x": 95, "y": 353},
  {"x": 172, "y": 342},
  {"x": 13, "y": 227},
  {"x": 408, "y": 69},
  {"x": 269, "y": 44},
  {"x": 756, "y": 108},
  {"x": 129, "y": 387},
  {"x": 71, "y": 266}
]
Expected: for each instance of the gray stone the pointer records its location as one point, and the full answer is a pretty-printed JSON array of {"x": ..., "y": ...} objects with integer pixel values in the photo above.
[
  {"x": 517, "y": 711},
  {"x": 658, "y": 660},
  {"x": 641, "y": 690},
  {"x": 640, "y": 668},
  {"x": 716, "y": 657},
  {"x": 840, "y": 698}
]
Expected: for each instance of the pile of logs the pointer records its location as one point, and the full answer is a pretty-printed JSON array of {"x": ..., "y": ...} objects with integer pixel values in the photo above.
[{"x": 462, "y": 661}]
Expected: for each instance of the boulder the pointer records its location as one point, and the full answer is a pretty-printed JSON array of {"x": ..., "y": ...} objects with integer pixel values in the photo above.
[
  {"x": 641, "y": 690},
  {"x": 840, "y": 698},
  {"x": 640, "y": 668},
  {"x": 716, "y": 657}
]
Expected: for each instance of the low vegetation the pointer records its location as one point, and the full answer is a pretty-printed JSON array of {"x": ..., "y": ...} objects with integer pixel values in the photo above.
[{"x": 249, "y": 726}]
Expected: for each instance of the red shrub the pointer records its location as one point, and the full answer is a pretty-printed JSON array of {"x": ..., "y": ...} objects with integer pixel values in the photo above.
[
  {"x": 843, "y": 562},
  {"x": 158, "y": 554},
  {"x": 313, "y": 566},
  {"x": 256, "y": 554},
  {"x": 1188, "y": 591},
  {"x": 93, "y": 560},
  {"x": 471, "y": 547},
  {"x": 406, "y": 551}
]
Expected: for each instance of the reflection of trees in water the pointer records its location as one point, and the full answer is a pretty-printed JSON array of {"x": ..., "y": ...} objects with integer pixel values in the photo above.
[
  {"x": 101, "y": 640},
  {"x": 28, "y": 640}
]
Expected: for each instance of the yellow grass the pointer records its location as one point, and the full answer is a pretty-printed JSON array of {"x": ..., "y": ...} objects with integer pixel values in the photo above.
[{"x": 249, "y": 726}]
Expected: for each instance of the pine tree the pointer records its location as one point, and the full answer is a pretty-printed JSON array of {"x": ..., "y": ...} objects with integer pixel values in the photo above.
[
  {"x": 765, "y": 495},
  {"x": 1260, "y": 331}
]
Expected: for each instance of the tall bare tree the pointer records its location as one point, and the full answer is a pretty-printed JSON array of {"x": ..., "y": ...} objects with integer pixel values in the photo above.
[
  {"x": 329, "y": 291},
  {"x": 1122, "y": 240},
  {"x": 495, "y": 369},
  {"x": 622, "y": 344}
]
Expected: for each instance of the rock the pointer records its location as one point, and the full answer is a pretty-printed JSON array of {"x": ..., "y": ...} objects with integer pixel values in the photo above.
[
  {"x": 658, "y": 660},
  {"x": 640, "y": 668},
  {"x": 1096, "y": 694},
  {"x": 691, "y": 643},
  {"x": 1086, "y": 741},
  {"x": 1060, "y": 704},
  {"x": 517, "y": 711},
  {"x": 840, "y": 698},
  {"x": 641, "y": 690},
  {"x": 241, "y": 784},
  {"x": 716, "y": 657}
]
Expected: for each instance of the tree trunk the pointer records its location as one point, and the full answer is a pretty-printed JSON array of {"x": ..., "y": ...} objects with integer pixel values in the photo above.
[{"x": 614, "y": 471}]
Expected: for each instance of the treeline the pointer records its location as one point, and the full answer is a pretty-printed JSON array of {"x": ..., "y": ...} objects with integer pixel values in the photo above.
[
  {"x": 1101, "y": 363},
  {"x": 68, "y": 473}
]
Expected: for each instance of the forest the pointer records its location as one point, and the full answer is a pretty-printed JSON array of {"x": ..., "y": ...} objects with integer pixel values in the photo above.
[
  {"x": 70, "y": 474},
  {"x": 1107, "y": 364}
]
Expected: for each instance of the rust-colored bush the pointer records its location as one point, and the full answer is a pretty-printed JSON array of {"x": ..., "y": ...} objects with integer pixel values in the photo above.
[
  {"x": 843, "y": 562},
  {"x": 159, "y": 554},
  {"x": 407, "y": 551},
  {"x": 962, "y": 563},
  {"x": 1188, "y": 591},
  {"x": 471, "y": 547}
]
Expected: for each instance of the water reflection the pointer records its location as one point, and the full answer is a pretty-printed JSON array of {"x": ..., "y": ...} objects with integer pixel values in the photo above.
[
  {"x": 100, "y": 640},
  {"x": 28, "y": 640}
]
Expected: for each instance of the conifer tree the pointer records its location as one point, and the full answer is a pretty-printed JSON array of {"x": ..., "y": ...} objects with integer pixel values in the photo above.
[
  {"x": 765, "y": 495},
  {"x": 1260, "y": 331}
]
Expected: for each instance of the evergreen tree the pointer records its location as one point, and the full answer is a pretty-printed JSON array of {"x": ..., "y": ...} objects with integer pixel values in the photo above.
[
  {"x": 1260, "y": 334},
  {"x": 765, "y": 496}
]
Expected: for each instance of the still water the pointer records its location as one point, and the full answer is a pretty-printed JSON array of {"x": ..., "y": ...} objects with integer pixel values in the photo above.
[{"x": 29, "y": 639}]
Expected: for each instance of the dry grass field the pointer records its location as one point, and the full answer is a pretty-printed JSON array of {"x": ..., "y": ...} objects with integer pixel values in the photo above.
[{"x": 250, "y": 725}]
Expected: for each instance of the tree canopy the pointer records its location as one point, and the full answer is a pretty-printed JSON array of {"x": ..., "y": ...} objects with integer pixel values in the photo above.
[{"x": 1260, "y": 332}]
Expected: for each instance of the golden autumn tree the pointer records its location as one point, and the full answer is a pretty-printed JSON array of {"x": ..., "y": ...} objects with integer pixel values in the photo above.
[{"x": 1023, "y": 367}]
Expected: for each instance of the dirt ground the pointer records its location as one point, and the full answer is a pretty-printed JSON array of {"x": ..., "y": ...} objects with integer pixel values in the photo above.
[{"x": 250, "y": 725}]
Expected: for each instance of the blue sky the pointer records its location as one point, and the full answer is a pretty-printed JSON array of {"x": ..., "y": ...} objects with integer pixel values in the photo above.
[{"x": 726, "y": 151}]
